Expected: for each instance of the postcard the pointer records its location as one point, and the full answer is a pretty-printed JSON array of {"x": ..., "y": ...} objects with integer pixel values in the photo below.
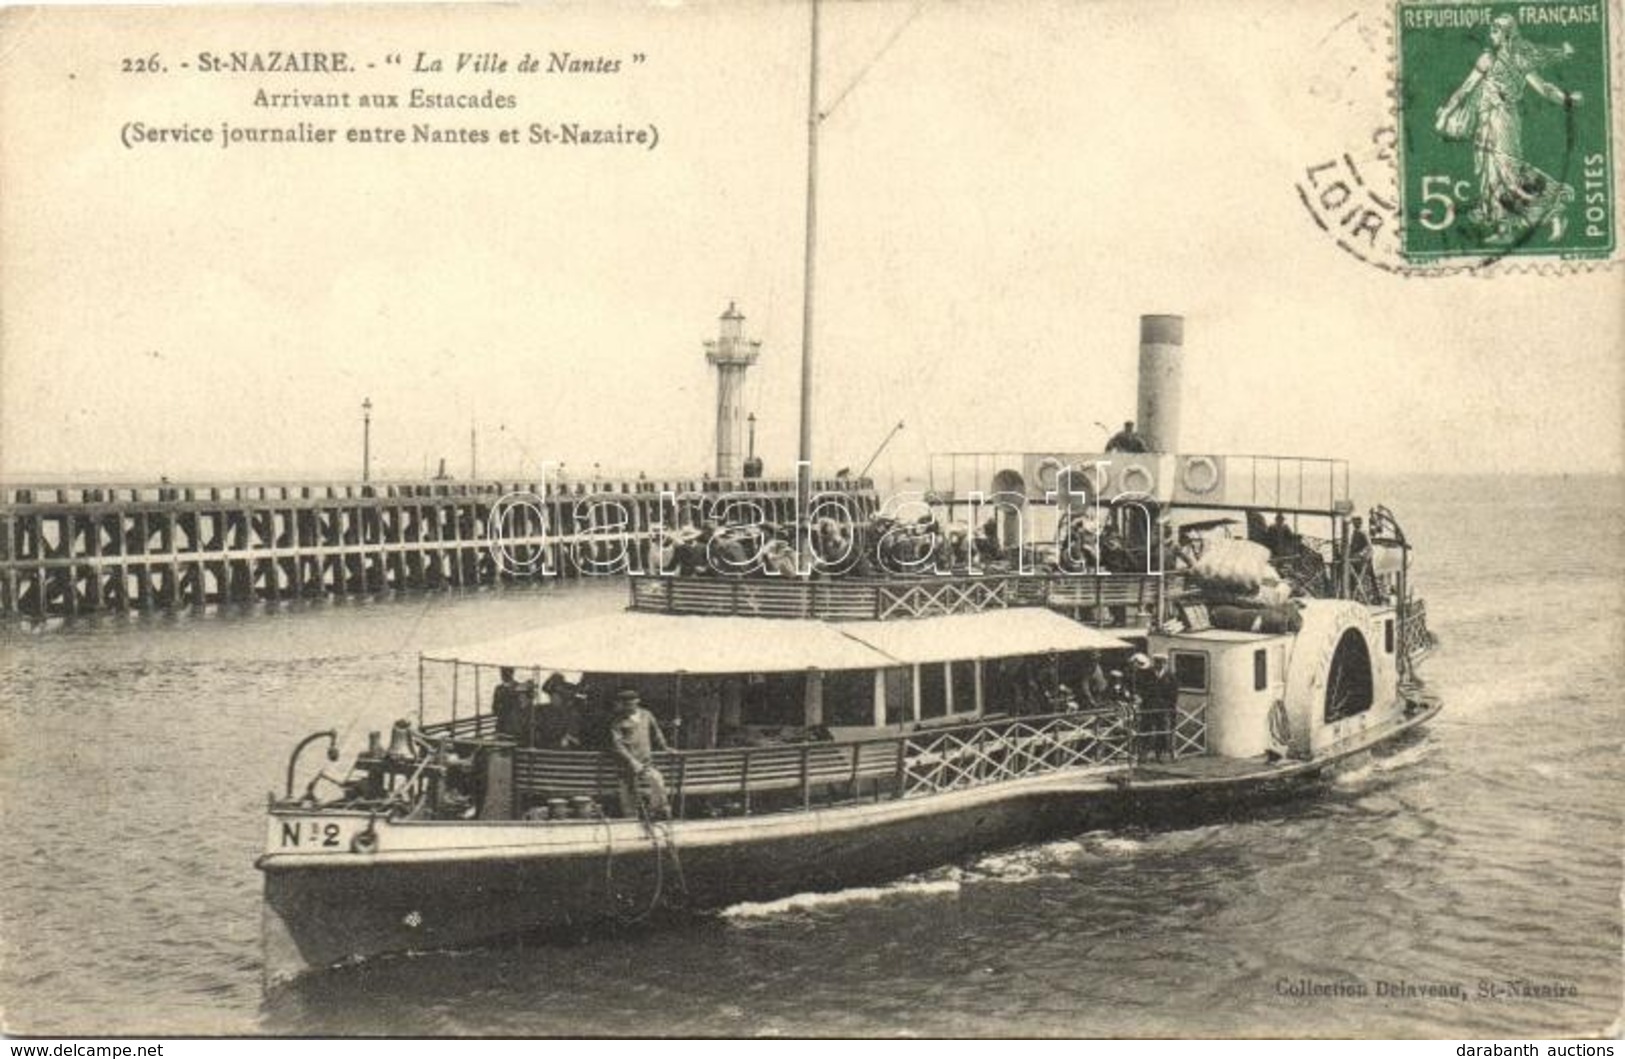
[{"x": 1069, "y": 519}]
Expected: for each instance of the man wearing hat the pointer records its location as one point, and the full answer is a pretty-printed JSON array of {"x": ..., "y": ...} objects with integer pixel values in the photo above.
[
  {"x": 634, "y": 736},
  {"x": 1126, "y": 440},
  {"x": 1158, "y": 691},
  {"x": 512, "y": 705},
  {"x": 1094, "y": 690},
  {"x": 1360, "y": 557}
]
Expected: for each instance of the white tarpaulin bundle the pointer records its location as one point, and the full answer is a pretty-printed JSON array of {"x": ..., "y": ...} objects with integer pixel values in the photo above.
[{"x": 635, "y": 642}]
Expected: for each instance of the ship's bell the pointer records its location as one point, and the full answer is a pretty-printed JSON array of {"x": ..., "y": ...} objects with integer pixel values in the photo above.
[{"x": 400, "y": 742}]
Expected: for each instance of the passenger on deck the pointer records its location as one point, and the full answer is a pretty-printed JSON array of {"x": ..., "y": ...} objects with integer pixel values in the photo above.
[
  {"x": 987, "y": 541},
  {"x": 1190, "y": 550},
  {"x": 1148, "y": 720},
  {"x": 511, "y": 706},
  {"x": 833, "y": 546},
  {"x": 558, "y": 724},
  {"x": 1115, "y": 557},
  {"x": 1118, "y": 693},
  {"x": 634, "y": 736},
  {"x": 1283, "y": 543},
  {"x": 1359, "y": 543},
  {"x": 1359, "y": 557},
  {"x": 1164, "y": 700},
  {"x": 1126, "y": 440},
  {"x": 1093, "y": 686}
]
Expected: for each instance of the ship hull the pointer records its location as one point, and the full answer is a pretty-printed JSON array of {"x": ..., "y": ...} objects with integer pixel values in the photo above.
[
  {"x": 318, "y": 917},
  {"x": 440, "y": 885}
]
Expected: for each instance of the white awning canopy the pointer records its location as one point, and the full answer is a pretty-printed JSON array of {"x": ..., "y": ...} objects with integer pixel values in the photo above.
[
  {"x": 635, "y": 642},
  {"x": 990, "y": 634}
]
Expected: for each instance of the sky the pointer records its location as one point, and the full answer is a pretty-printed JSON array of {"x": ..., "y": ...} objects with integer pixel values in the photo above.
[{"x": 1003, "y": 189}]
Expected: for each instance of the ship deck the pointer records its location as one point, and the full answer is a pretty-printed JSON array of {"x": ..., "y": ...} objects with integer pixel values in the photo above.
[{"x": 1207, "y": 769}]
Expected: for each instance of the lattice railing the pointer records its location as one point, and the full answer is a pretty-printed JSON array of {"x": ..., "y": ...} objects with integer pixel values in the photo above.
[
  {"x": 970, "y": 757},
  {"x": 1190, "y": 730},
  {"x": 934, "y": 598},
  {"x": 908, "y": 765},
  {"x": 1107, "y": 600},
  {"x": 1415, "y": 639}
]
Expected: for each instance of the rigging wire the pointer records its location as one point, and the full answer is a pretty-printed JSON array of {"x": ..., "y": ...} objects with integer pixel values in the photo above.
[{"x": 863, "y": 71}]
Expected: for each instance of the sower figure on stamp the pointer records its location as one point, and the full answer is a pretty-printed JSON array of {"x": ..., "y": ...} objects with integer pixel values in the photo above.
[
  {"x": 1513, "y": 195},
  {"x": 634, "y": 736}
]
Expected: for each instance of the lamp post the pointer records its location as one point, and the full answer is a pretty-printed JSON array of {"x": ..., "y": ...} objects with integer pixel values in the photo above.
[{"x": 366, "y": 439}]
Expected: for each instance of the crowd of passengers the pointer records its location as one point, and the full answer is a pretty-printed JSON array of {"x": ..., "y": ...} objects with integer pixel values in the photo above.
[
  {"x": 876, "y": 548},
  {"x": 1088, "y": 541},
  {"x": 560, "y": 714},
  {"x": 1147, "y": 693},
  {"x": 889, "y": 546}
]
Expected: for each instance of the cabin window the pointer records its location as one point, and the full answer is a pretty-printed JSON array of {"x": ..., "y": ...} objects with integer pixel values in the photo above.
[
  {"x": 963, "y": 677},
  {"x": 1348, "y": 680},
  {"x": 1190, "y": 670},
  {"x": 1388, "y": 636},
  {"x": 899, "y": 694},
  {"x": 849, "y": 698},
  {"x": 933, "y": 690},
  {"x": 1261, "y": 669}
]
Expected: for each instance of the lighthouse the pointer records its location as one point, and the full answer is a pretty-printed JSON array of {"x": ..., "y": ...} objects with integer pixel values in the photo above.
[{"x": 731, "y": 353}]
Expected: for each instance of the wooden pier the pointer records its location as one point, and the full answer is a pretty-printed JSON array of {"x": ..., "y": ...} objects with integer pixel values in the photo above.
[{"x": 76, "y": 549}]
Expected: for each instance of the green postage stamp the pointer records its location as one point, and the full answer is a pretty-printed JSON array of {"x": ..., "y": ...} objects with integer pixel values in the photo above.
[{"x": 1505, "y": 129}]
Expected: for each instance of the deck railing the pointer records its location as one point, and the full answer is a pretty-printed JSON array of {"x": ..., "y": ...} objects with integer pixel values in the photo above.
[
  {"x": 928, "y": 761},
  {"x": 962, "y": 757},
  {"x": 1415, "y": 639},
  {"x": 1128, "y": 597}
]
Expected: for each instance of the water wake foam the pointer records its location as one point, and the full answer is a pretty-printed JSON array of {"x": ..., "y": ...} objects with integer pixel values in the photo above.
[
  {"x": 1403, "y": 758},
  {"x": 853, "y": 895},
  {"x": 1052, "y": 860},
  {"x": 1047, "y": 861}
]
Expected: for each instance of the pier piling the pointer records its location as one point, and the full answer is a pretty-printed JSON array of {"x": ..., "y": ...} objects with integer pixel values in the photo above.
[{"x": 72, "y": 549}]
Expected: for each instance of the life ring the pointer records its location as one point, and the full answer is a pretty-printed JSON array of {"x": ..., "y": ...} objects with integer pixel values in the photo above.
[
  {"x": 1201, "y": 475},
  {"x": 1094, "y": 477},
  {"x": 1049, "y": 468},
  {"x": 1083, "y": 480},
  {"x": 1124, "y": 485}
]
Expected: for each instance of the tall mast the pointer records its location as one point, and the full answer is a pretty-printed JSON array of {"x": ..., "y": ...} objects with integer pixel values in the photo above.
[{"x": 804, "y": 451}]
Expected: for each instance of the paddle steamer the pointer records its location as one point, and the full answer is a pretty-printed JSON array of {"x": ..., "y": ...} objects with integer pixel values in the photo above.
[
  {"x": 890, "y": 699},
  {"x": 837, "y": 729}
]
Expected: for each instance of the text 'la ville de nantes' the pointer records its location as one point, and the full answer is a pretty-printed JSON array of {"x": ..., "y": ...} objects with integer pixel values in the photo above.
[{"x": 339, "y": 62}]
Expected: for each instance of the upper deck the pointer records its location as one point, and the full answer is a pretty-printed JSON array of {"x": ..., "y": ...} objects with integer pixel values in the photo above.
[
  {"x": 1296, "y": 484},
  {"x": 1112, "y": 601}
]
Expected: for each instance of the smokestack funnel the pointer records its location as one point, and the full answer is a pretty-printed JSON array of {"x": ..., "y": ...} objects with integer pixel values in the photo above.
[{"x": 1162, "y": 340}]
